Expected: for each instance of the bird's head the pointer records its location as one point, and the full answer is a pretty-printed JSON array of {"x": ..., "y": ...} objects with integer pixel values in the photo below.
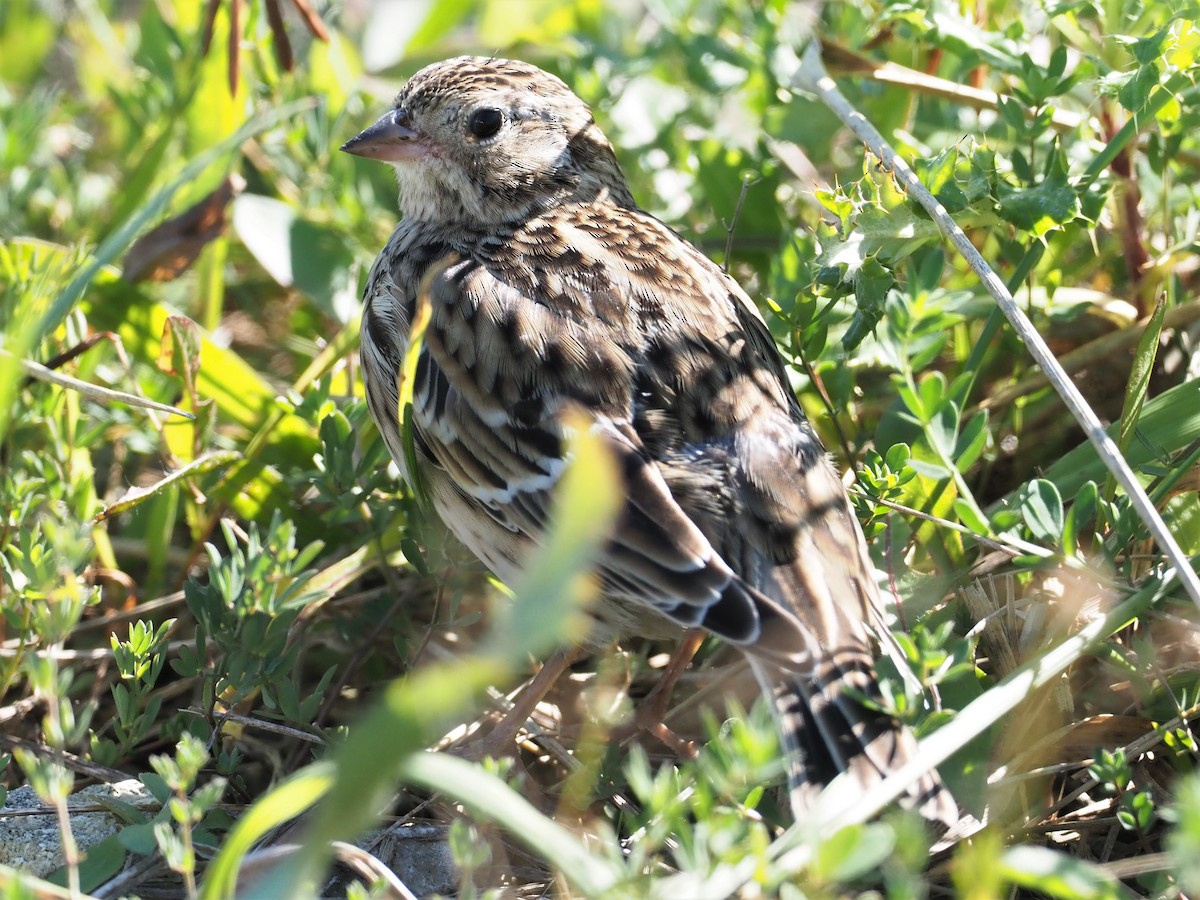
[{"x": 482, "y": 142}]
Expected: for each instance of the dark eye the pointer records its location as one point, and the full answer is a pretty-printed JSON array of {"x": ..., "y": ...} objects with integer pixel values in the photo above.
[{"x": 485, "y": 122}]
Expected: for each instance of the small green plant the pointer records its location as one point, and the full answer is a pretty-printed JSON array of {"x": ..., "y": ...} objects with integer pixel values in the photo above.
[
  {"x": 244, "y": 616},
  {"x": 471, "y": 855},
  {"x": 140, "y": 661},
  {"x": 187, "y": 805},
  {"x": 62, "y": 727},
  {"x": 882, "y": 478},
  {"x": 1135, "y": 808}
]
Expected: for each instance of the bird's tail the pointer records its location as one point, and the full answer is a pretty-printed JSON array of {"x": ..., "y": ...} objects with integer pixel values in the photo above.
[{"x": 826, "y": 730}]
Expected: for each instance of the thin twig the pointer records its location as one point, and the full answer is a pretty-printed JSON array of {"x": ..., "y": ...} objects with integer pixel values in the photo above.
[
  {"x": 812, "y": 77},
  {"x": 312, "y": 20},
  {"x": 1140, "y": 865},
  {"x": 737, "y": 212},
  {"x": 235, "y": 36},
  {"x": 260, "y": 724},
  {"x": 93, "y": 391},
  {"x": 64, "y": 758},
  {"x": 1006, "y": 543},
  {"x": 845, "y": 61}
]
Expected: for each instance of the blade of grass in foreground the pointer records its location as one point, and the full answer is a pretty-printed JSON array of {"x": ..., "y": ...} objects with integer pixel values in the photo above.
[
  {"x": 843, "y": 804},
  {"x": 416, "y": 710}
]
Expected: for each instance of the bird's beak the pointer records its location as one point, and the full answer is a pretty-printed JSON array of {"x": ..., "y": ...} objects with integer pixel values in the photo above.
[{"x": 391, "y": 139}]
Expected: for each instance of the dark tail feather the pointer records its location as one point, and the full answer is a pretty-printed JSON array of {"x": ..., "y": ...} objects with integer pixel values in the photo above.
[{"x": 826, "y": 731}]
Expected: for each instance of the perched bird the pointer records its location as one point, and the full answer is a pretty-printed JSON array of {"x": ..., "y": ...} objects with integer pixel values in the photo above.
[{"x": 560, "y": 292}]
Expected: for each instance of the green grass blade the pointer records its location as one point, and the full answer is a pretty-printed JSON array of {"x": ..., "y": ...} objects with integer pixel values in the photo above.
[
  {"x": 414, "y": 711},
  {"x": 1139, "y": 383}
]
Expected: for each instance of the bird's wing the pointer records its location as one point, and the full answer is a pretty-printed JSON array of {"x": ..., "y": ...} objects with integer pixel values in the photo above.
[
  {"x": 499, "y": 366},
  {"x": 735, "y": 520}
]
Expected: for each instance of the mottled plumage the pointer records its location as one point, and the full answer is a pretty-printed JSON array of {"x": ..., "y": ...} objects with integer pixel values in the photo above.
[{"x": 560, "y": 292}]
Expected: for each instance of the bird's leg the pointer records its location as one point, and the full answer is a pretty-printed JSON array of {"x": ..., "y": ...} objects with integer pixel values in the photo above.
[
  {"x": 499, "y": 742},
  {"x": 653, "y": 709}
]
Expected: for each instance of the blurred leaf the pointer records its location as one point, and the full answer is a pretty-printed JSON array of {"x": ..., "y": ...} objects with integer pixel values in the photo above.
[
  {"x": 215, "y": 111},
  {"x": 1183, "y": 842},
  {"x": 32, "y": 273},
  {"x": 314, "y": 258},
  {"x": 535, "y": 21},
  {"x": 395, "y": 28},
  {"x": 853, "y": 852},
  {"x": 557, "y": 582},
  {"x": 265, "y": 227},
  {"x": 26, "y": 37},
  {"x": 335, "y": 70},
  {"x": 166, "y": 250},
  {"x": 1055, "y": 874},
  {"x": 590, "y": 873},
  {"x": 544, "y": 613}
]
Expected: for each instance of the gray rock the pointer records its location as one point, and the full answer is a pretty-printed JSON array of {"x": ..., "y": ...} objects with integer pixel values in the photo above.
[{"x": 30, "y": 840}]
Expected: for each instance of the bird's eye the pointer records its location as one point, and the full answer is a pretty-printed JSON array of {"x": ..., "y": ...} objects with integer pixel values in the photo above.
[{"x": 485, "y": 122}]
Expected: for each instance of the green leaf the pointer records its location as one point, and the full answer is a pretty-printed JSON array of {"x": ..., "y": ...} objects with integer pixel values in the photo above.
[
  {"x": 1139, "y": 377},
  {"x": 971, "y": 441},
  {"x": 1042, "y": 508},
  {"x": 137, "y": 495},
  {"x": 929, "y": 469},
  {"x": 1147, "y": 50},
  {"x": 968, "y": 515},
  {"x": 871, "y": 284},
  {"x": 102, "y": 861},
  {"x": 1082, "y": 511},
  {"x": 1168, "y": 423},
  {"x": 1135, "y": 92},
  {"x": 287, "y": 800},
  {"x": 1046, "y": 207},
  {"x": 139, "y": 838}
]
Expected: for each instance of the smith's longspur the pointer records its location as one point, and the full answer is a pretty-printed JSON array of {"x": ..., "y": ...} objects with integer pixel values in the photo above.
[{"x": 560, "y": 292}]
